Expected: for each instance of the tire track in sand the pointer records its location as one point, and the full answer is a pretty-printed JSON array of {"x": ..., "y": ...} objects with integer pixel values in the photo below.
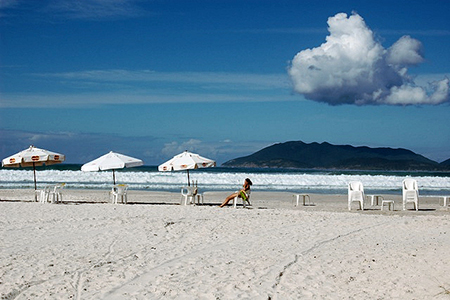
[
  {"x": 79, "y": 273},
  {"x": 273, "y": 296},
  {"x": 136, "y": 284}
]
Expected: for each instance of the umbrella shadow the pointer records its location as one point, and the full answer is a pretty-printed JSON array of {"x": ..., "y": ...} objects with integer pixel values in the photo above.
[
  {"x": 152, "y": 203},
  {"x": 15, "y": 200}
]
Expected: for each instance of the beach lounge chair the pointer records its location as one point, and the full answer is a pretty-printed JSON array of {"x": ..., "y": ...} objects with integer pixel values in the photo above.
[
  {"x": 356, "y": 194},
  {"x": 245, "y": 202},
  {"x": 119, "y": 192},
  {"x": 410, "y": 193}
]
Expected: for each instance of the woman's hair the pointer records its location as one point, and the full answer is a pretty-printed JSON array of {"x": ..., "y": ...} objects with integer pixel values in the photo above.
[{"x": 248, "y": 181}]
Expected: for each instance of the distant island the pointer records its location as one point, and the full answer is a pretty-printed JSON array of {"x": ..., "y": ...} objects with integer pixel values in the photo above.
[{"x": 300, "y": 155}]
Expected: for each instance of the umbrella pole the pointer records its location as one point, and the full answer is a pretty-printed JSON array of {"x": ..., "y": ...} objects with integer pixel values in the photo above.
[
  {"x": 114, "y": 177},
  {"x": 189, "y": 183},
  {"x": 34, "y": 175}
]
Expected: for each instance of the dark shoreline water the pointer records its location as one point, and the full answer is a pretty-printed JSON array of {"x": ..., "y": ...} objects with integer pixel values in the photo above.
[{"x": 414, "y": 173}]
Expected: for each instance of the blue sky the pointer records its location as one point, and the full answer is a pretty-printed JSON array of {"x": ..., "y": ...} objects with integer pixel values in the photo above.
[{"x": 222, "y": 78}]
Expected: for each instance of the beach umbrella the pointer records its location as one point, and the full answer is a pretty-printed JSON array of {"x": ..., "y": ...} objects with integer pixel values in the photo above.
[
  {"x": 33, "y": 157},
  {"x": 111, "y": 161},
  {"x": 186, "y": 161}
]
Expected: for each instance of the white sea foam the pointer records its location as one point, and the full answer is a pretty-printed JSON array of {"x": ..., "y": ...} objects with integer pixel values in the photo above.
[{"x": 227, "y": 180}]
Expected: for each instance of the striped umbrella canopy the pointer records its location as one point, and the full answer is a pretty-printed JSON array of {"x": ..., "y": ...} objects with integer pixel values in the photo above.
[
  {"x": 186, "y": 161},
  {"x": 111, "y": 161},
  {"x": 33, "y": 157}
]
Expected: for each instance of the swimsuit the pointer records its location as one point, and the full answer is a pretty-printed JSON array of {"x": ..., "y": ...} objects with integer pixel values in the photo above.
[{"x": 243, "y": 195}]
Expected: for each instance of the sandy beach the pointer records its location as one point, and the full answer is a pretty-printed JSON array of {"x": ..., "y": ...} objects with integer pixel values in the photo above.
[{"x": 154, "y": 248}]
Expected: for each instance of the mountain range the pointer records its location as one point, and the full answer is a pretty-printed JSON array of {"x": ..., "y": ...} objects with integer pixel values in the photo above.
[{"x": 297, "y": 154}]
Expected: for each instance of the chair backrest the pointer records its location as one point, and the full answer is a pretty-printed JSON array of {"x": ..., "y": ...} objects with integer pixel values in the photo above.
[
  {"x": 355, "y": 186},
  {"x": 189, "y": 190},
  {"x": 120, "y": 188},
  {"x": 58, "y": 186},
  {"x": 410, "y": 184}
]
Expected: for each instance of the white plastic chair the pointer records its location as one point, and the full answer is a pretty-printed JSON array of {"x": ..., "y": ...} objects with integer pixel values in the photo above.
[
  {"x": 186, "y": 195},
  {"x": 246, "y": 202},
  {"x": 410, "y": 193},
  {"x": 43, "y": 195},
  {"x": 356, "y": 194},
  {"x": 189, "y": 194},
  {"x": 119, "y": 191},
  {"x": 55, "y": 193}
]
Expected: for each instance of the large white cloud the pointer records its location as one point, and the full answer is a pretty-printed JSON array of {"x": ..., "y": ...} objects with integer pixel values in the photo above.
[{"x": 351, "y": 67}]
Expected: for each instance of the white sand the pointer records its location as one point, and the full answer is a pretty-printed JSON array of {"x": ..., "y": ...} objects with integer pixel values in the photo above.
[{"x": 154, "y": 249}]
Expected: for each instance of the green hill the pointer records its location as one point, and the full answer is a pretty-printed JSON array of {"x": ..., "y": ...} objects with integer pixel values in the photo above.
[
  {"x": 297, "y": 154},
  {"x": 446, "y": 163}
]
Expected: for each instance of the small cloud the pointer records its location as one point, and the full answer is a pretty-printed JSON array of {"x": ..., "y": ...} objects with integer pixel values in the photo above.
[
  {"x": 406, "y": 94},
  {"x": 79, "y": 147},
  {"x": 99, "y": 87},
  {"x": 405, "y": 52},
  {"x": 8, "y": 3},
  {"x": 95, "y": 9},
  {"x": 428, "y": 32},
  {"x": 220, "y": 151},
  {"x": 215, "y": 79},
  {"x": 192, "y": 145},
  {"x": 74, "y": 9},
  {"x": 351, "y": 67},
  {"x": 84, "y": 147}
]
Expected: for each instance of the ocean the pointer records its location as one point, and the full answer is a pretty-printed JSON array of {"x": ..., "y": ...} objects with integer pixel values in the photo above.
[{"x": 229, "y": 179}]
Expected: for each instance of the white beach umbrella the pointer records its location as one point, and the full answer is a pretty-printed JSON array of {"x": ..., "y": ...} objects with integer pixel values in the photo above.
[
  {"x": 186, "y": 161},
  {"x": 111, "y": 161},
  {"x": 33, "y": 157}
]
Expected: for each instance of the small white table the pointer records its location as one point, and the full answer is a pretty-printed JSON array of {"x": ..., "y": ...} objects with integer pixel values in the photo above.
[
  {"x": 389, "y": 203},
  {"x": 374, "y": 199},
  {"x": 446, "y": 199},
  {"x": 304, "y": 197}
]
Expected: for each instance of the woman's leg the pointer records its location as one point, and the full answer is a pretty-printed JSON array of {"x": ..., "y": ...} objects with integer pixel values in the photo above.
[{"x": 225, "y": 202}]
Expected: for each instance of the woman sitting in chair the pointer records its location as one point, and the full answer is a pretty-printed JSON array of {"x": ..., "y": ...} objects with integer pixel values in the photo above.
[{"x": 241, "y": 194}]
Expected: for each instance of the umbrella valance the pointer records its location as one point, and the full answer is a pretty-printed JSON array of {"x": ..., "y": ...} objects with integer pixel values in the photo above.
[
  {"x": 33, "y": 157},
  {"x": 112, "y": 161},
  {"x": 186, "y": 161}
]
